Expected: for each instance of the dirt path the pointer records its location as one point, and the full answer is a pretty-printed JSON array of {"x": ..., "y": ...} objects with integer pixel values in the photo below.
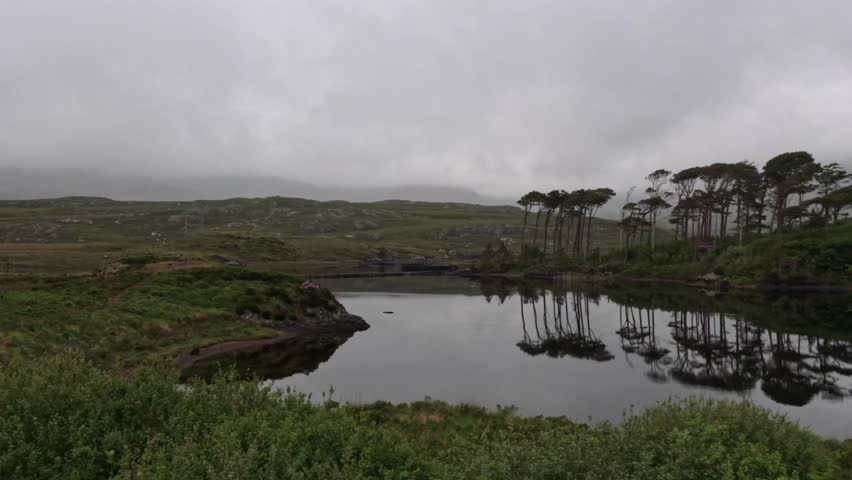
[
  {"x": 120, "y": 295},
  {"x": 188, "y": 359},
  {"x": 153, "y": 269}
]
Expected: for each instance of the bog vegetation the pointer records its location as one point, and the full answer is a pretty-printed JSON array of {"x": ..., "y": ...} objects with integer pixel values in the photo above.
[
  {"x": 79, "y": 234},
  {"x": 122, "y": 320},
  {"x": 64, "y": 418}
]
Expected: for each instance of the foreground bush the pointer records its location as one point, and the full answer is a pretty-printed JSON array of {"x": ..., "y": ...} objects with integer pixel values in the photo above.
[{"x": 64, "y": 418}]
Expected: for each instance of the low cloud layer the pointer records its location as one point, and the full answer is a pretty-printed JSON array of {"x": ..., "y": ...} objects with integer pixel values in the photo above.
[{"x": 499, "y": 96}]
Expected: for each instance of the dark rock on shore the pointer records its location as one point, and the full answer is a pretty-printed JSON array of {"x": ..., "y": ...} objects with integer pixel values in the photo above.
[
  {"x": 711, "y": 281},
  {"x": 323, "y": 321}
]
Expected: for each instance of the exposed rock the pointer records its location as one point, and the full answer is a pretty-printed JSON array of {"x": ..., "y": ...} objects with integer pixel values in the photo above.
[
  {"x": 33, "y": 232},
  {"x": 712, "y": 281},
  {"x": 111, "y": 269},
  {"x": 84, "y": 221},
  {"x": 322, "y": 321},
  {"x": 191, "y": 219},
  {"x": 465, "y": 231},
  {"x": 365, "y": 225},
  {"x": 710, "y": 277},
  {"x": 241, "y": 226}
]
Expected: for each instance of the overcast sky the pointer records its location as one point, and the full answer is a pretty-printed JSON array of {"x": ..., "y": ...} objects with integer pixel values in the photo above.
[{"x": 501, "y": 96}]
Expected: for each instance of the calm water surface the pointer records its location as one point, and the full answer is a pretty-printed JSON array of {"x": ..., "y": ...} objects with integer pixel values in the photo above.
[{"x": 589, "y": 355}]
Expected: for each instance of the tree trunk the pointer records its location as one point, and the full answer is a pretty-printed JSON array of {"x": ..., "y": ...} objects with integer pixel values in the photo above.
[
  {"x": 781, "y": 204},
  {"x": 578, "y": 239},
  {"x": 535, "y": 233},
  {"x": 557, "y": 241},
  {"x": 546, "y": 223},
  {"x": 801, "y": 217},
  {"x": 739, "y": 223},
  {"x": 588, "y": 234},
  {"x": 568, "y": 234},
  {"x": 653, "y": 230}
]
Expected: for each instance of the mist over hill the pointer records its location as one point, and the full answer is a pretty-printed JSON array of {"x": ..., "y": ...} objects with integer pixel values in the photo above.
[{"x": 21, "y": 183}]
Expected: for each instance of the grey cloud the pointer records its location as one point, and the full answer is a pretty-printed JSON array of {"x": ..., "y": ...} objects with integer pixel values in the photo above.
[{"x": 500, "y": 96}]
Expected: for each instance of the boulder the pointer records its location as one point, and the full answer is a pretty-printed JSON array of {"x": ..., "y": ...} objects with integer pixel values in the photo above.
[{"x": 111, "y": 269}]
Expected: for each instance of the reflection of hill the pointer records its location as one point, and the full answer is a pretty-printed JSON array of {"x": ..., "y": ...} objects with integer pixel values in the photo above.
[
  {"x": 696, "y": 340},
  {"x": 301, "y": 354},
  {"x": 815, "y": 314}
]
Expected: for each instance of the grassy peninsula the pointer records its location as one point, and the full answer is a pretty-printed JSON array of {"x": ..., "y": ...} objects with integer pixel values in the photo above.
[{"x": 150, "y": 311}]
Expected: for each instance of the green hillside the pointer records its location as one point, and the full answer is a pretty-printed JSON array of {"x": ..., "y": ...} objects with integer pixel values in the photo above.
[
  {"x": 78, "y": 234},
  {"x": 815, "y": 255}
]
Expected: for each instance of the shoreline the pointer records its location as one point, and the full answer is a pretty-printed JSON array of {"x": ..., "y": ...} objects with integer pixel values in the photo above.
[
  {"x": 586, "y": 278},
  {"x": 340, "y": 325}
]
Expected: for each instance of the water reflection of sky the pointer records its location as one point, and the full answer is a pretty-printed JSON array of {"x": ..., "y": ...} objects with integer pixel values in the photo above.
[{"x": 579, "y": 355}]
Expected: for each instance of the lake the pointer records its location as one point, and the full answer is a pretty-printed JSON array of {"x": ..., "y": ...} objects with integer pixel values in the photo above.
[{"x": 589, "y": 354}]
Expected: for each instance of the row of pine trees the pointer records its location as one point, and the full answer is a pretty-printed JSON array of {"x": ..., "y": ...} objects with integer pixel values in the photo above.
[{"x": 703, "y": 204}]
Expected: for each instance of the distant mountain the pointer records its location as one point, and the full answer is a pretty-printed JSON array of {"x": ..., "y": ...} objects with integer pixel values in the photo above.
[{"x": 20, "y": 183}]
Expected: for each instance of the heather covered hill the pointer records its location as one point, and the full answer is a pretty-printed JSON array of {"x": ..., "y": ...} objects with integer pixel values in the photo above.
[{"x": 76, "y": 233}]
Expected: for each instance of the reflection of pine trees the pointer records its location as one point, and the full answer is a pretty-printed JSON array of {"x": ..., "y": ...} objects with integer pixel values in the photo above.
[
  {"x": 702, "y": 348},
  {"x": 556, "y": 334},
  {"x": 495, "y": 287},
  {"x": 785, "y": 377},
  {"x": 833, "y": 360},
  {"x": 638, "y": 334},
  {"x": 725, "y": 352},
  {"x": 713, "y": 352}
]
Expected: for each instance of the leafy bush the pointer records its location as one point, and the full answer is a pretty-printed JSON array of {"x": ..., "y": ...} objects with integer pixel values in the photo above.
[
  {"x": 496, "y": 260},
  {"x": 63, "y": 418}
]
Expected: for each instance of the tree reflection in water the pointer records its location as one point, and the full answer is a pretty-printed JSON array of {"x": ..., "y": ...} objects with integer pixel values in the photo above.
[
  {"x": 562, "y": 336},
  {"x": 694, "y": 346}
]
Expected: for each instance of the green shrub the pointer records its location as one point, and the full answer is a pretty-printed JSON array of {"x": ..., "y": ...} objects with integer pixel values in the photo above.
[{"x": 63, "y": 418}]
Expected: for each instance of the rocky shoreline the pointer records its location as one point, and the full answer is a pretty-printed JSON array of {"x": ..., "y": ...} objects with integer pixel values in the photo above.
[
  {"x": 299, "y": 347},
  {"x": 322, "y": 321}
]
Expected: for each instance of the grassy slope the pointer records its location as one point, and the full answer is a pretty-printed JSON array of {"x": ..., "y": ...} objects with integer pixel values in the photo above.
[
  {"x": 294, "y": 235},
  {"x": 822, "y": 255},
  {"x": 62, "y": 418},
  {"x": 170, "y": 314}
]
